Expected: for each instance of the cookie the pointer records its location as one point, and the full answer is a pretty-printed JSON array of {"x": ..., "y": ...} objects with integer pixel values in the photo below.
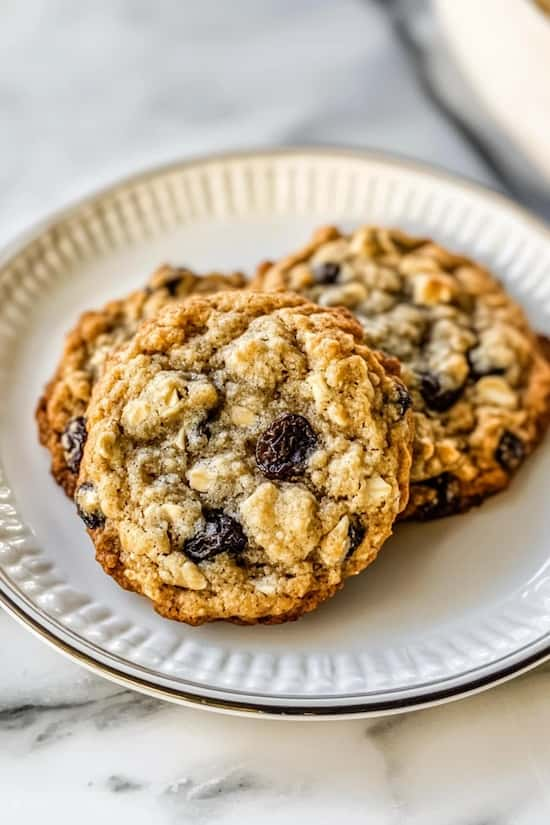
[
  {"x": 477, "y": 375},
  {"x": 246, "y": 453},
  {"x": 61, "y": 410}
]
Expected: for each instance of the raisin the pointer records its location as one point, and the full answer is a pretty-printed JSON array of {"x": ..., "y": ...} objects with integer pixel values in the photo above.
[
  {"x": 510, "y": 451},
  {"x": 327, "y": 272},
  {"x": 91, "y": 518},
  {"x": 172, "y": 285},
  {"x": 282, "y": 449},
  {"x": 205, "y": 425},
  {"x": 446, "y": 501},
  {"x": 73, "y": 441},
  {"x": 221, "y": 534},
  {"x": 435, "y": 396},
  {"x": 356, "y": 533},
  {"x": 402, "y": 400}
]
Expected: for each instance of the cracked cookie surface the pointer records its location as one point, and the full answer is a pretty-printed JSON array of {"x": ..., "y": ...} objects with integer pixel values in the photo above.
[
  {"x": 477, "y": 375},
  {"x": 61, "y": 410},
  {"x": 246, "y": 453}
]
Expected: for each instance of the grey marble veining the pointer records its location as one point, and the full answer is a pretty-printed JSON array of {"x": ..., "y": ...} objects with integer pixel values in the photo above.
[
  {"x": 93, "y": 91},
  {"x": 484, "y": 759}
]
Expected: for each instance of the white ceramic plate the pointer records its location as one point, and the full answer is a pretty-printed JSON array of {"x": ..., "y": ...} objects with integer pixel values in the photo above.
[{"x": 448, "y": 608}]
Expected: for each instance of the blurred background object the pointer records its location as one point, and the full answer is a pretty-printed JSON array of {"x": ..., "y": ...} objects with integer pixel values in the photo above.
[
  {"x": 485, "y": 66},
  {"x": 92, "y": 91},
  {"x": 499, "y": 80}
]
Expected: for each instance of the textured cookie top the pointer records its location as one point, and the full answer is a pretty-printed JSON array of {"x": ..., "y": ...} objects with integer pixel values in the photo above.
[
  {"x": 245, "y": 454},
  {"x": 61, "y": 410},
  {"x": 479, "y": 383}
]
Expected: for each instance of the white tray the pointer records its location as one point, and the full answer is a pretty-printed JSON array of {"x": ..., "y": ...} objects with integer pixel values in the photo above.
[{"x": 449, "y": 607}]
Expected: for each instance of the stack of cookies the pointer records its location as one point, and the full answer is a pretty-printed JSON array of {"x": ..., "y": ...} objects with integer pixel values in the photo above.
[{"x": 237, "y": 451}]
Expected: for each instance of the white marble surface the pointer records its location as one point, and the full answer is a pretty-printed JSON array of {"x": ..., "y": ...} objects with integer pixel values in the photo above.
[{"x": 92, "y": 91}]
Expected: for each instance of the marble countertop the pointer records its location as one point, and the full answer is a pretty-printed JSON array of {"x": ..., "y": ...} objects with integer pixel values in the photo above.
[
  {"x": 89, "y": 92},
  {"x": 70, "y": 742}
]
